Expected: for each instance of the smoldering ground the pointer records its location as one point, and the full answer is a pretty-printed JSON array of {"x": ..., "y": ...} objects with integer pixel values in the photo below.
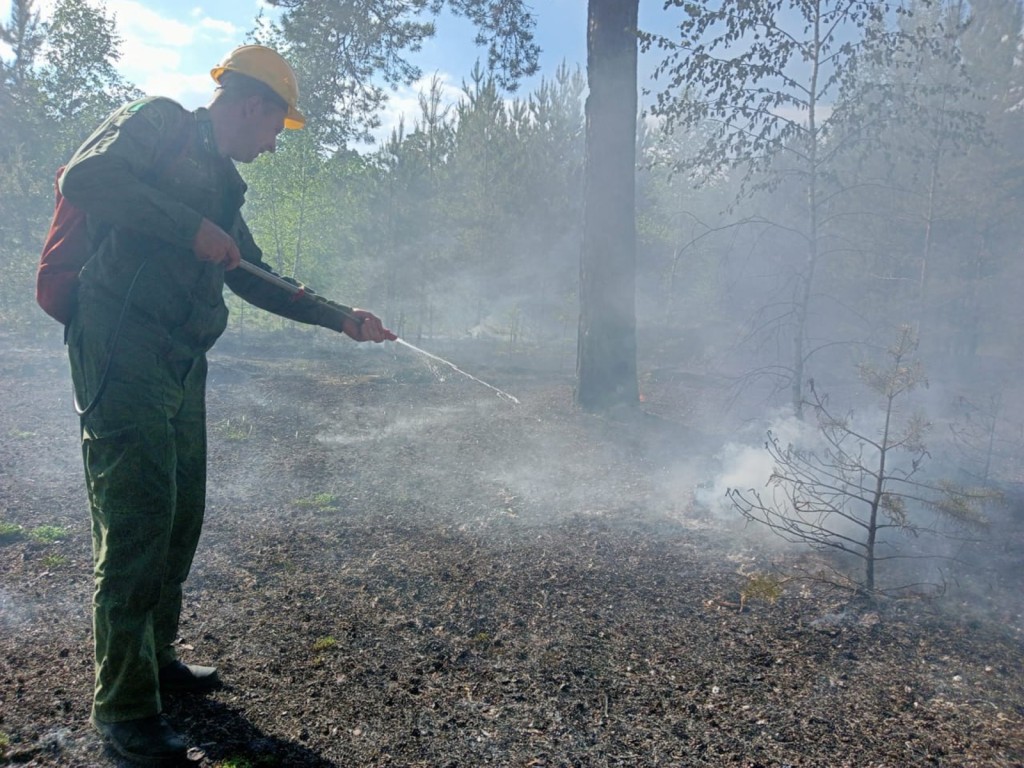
[{"x": 400, "y": 568}]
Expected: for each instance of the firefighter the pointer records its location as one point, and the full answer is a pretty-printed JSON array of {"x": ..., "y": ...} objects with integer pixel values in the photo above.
[{"x": 163, "y": 199}]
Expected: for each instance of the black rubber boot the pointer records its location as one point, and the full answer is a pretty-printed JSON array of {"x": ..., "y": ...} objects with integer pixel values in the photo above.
[
  {"x": 148, "y": 741},
  {"x": 177, "y": 677}
]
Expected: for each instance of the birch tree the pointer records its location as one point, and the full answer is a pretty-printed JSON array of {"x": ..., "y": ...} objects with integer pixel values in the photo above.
[{"x": 773, "y": 87}]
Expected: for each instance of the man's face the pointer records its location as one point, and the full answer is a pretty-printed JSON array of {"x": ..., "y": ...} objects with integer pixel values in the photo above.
[{"x": 262, "y": 122}]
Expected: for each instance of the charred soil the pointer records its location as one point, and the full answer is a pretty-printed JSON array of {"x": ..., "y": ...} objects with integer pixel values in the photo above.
[{"x": 400, "y": 569}]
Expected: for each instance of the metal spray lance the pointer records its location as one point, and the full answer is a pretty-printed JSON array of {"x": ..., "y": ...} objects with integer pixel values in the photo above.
[{"x": 297, "y": 289}]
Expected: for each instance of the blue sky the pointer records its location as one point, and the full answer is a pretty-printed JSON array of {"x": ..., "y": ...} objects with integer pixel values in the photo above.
[{"x": 169, "y": 46}]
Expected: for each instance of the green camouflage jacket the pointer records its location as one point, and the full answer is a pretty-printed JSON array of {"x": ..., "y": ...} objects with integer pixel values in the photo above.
[{"x": 146, "y": 178}]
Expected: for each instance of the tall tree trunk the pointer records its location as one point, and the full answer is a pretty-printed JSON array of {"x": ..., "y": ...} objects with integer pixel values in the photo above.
[{"x": 606, "y": 353}]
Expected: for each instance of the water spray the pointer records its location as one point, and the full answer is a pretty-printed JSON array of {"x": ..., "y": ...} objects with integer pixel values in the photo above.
[
  {"x": 502, "y": 394},
  {"x": 292, "y": 288}
]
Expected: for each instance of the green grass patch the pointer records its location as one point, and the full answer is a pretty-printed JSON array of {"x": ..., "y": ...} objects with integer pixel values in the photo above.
[
  {"x": 48, "y": 534},
  {"x": 10, "y": 531},
  {"x": 55, "y": 561},
  {"x": 324, "y": 644},
  {"x": 323, "y": 502},
  {"x": 761, "y": 587},
  {"x": 234, "y": 430}
]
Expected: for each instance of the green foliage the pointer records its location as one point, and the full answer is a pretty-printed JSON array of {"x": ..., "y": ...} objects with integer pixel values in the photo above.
[
  {"x": 25, "y": 35},
  {"x": 49, "y": 107},
  {"x": 481, "y": 640},
  {"x": 506, "y": 27},
  {"x": 48, "y": 534},
  {"x": 235, "y": 430},
  {"x": 324, "y": 644},
  {"x": 10, "y": 531},
  {"x": 757, "y": 76},
  {"x": 761, "y": 586},
  {"x": 345, "y": 65},
  {"x": 55, "y": 561},
  {"x": 79, "y": 82},
  {"x": 23, "y": 180},
  {"x": 396, "y": 230},
  {"x": 322, "y": 502}
]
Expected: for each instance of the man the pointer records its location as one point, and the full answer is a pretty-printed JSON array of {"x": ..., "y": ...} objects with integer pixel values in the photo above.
[{"x": 163, "y": 200}]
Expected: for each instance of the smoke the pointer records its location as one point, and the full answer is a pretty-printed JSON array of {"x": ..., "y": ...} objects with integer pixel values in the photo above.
[
  {"x": 375, "y": 425},
  {"x": 14, "y": 616},
  {"x": 745, "y": 463}
]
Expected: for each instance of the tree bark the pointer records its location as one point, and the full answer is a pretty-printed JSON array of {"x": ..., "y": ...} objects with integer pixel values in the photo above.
[{"x": 606, "y": 354}]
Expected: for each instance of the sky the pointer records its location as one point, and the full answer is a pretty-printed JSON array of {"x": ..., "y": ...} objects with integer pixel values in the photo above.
[{"x": 168, "y": 46}]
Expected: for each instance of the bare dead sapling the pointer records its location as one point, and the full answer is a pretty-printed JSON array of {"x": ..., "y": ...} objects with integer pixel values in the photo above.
[{"x": 862, "y": 491}]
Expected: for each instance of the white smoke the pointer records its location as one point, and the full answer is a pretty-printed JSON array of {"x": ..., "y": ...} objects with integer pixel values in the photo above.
[
  {"x": 14, "y": 615},
  {"x": 745, "y": 462}
]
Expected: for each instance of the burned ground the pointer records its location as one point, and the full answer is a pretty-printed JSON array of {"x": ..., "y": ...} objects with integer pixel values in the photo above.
[{"x": 401, "y": 569}]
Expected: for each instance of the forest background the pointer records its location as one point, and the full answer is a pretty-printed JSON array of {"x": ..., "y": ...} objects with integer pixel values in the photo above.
[
  {"x": 827, "y": 252},
  {"x": 793, "y": 213}
]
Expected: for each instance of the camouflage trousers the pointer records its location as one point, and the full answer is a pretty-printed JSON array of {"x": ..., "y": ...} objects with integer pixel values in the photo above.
[{"x": 144, "y": 449}]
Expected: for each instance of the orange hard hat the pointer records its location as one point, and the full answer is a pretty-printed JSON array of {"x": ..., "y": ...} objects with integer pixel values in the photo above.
[{"x": 270, "y": 68}]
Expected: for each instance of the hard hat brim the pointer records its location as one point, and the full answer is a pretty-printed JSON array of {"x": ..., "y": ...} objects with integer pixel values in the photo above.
[{"x": 294, "y": 120}]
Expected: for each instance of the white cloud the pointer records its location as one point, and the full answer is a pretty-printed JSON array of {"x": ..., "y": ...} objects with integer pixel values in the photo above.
[
  {"x": 224, "y": 29},
  {"x": 138, "y": 23},
  {"x": 140, "y": 56},
  {"x": 189, "y": 90},
  {"x": 167, "y": 57}
]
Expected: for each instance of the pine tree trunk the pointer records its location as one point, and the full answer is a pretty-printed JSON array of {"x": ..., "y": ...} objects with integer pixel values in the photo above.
[{"x": 606, "y": 353}]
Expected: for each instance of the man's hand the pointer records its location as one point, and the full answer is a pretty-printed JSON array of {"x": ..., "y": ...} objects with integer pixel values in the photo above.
[
  {"x": 366, "y": 327},
  {"x": 215, "y": 245}
]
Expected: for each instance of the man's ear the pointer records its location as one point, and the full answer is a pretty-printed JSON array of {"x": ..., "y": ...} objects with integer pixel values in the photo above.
[{"x": 252, "y": 107}]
